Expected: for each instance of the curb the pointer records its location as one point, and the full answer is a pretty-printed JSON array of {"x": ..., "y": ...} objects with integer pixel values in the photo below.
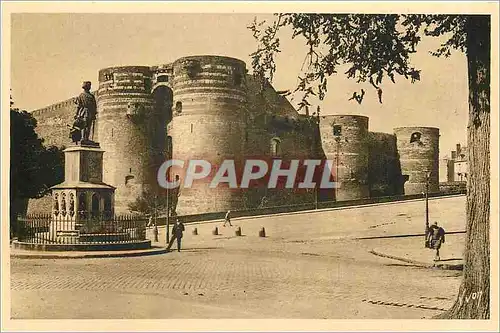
[
  {"x": 405, "y": 235},
  {"x": 455, "y": 267},
  {"x": 86, "y": 255}
]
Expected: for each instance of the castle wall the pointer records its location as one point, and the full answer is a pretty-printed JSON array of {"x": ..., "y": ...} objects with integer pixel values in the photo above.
[
  {"x": 344, "y": 140},
  {"x": 127, "y": 131},
  {"x": 384, "y": 172},
  {"x": 213, "y": 110},
  {"x": 53, "y": 122},
  {"x": 296, "y": 139},
  {"x": 52, "y": 127},
  {"x": 418, "y": 149},
  {"x": 209, "y": 123}
]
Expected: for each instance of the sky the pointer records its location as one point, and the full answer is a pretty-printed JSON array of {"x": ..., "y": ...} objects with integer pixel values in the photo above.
[{"x": 51, "y": 54}]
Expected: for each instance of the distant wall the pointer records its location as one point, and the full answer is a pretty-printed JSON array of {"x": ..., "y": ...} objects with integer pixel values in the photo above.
[
  {"x": 448, "y": 187},
  {"x": 53, "y": 121},
  {"x": 52, "y": 127},
  {"x": 384, "y": 171}
]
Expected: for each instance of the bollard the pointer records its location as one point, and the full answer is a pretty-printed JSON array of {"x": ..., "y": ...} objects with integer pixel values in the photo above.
[
  {"x": 238, "y": 231},
  {"x": 262, "y": 232},
  {"x": 215, "y": 232},
  {"x": 195, "y": 231}
]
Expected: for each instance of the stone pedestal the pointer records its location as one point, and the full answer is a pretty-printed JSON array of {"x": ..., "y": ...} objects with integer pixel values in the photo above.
[{"x": 83, "y": 194}]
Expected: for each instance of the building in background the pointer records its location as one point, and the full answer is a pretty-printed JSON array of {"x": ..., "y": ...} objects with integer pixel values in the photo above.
[
  {"x": 454, "y": 168},
  {"x": 460, "y": 168}
]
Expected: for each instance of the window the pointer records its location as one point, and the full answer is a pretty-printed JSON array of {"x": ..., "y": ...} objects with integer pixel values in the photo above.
[
  {"x": 337, "y": 130},
  {"x": 275, "y": 147},
  {"x": 178, "y": 107},
  {"x": 108, "y": 76},
  {"x": 82, "y": 205},
  {"x": 162, "y": 78},
  {"x": 107, "y": 203},
  {"x": 129, "y": 180},
  {"x": 415, "y": 137},
  {"x": 169, "y": 145},
  {"x": 63, "y": 204},
  {"x": 147, "y": 84},
  {"x": 95, "y": 205}
]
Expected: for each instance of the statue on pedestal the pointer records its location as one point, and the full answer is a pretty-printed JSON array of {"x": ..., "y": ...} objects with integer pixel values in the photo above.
[{"x": 86, "y": 112}]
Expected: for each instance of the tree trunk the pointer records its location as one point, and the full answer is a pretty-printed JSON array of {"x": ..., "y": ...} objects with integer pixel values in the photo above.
[{"x": 473, "y": 300}]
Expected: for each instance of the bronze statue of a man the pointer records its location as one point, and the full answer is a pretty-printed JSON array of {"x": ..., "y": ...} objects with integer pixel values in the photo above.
[{"x": 86, "y": 112}]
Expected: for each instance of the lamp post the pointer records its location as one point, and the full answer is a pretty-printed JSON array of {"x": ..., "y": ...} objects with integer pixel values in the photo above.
[
  {"x": 167, "y": 222},
  {"x": 427, "y": 177},
  {"x": 315, "y": 197},
  {"x": 337, "y": 139}
]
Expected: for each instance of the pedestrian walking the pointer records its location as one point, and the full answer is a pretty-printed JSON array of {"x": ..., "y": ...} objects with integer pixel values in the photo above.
[
  {"x": 227, "y": 218},
  {"x": 437, "y": 238},
  {"x": 177, "y": 232}
]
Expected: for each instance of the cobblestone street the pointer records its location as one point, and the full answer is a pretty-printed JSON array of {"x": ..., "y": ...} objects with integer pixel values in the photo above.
[{"x": 309, "y": 266}]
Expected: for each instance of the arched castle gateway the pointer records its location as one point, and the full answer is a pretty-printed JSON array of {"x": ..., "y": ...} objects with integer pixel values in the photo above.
[{"x": 209, "y": 107}]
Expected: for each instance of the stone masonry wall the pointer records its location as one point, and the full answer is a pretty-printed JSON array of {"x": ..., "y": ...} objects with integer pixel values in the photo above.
[
  {"x": 384, "y": 173},
  {"x": 344, "y": 140},
  {"x": 418, "y": 149},
  {"x": 209, "y": 123}
]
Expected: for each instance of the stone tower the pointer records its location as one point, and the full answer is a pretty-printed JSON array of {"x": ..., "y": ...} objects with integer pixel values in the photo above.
[
  {"x": 418, "y": 149},
  {"x": 344, "y": 141},
  {"x": 128, "y": 131},
  {"x": 209, "y": 123}
]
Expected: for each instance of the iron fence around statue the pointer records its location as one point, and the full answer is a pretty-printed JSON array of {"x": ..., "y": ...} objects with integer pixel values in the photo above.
[{"x": 48, "y": 229}]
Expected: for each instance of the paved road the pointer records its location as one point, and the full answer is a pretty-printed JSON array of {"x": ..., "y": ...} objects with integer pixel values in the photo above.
[{"x": 305, "y": 269}]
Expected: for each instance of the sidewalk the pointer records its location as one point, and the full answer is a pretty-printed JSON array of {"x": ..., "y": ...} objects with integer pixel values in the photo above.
[{"x": 411, "y": 250}]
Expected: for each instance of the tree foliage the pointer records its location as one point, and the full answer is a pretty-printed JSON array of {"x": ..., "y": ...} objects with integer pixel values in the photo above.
[
  {"x": 149, "y": 203},
  {"x": 373, "y": 48},
  {"x": 34, "y": 168}
]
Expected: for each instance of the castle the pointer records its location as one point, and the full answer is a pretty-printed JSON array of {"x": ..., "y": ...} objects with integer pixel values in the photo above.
[{"x": 209, "y": 107}]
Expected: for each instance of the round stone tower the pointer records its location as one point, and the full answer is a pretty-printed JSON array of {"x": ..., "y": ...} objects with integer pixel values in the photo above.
[
  {"x": 209, "y": 123},
  {"x": 127, "y": 131},
  {"x": 418, "y": 149},
  {"x": 344, "y": 141}
]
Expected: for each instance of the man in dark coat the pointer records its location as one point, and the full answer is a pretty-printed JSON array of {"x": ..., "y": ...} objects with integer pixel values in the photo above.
[
  {"x": 177, "y": 231},
  {"x": 437, "y": 239}
]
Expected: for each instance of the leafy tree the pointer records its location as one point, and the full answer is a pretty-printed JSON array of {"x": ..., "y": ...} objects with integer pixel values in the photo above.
[
  {"x": 377, "y": 48},
  {"x": 149, "y": 203},
  {"x": 34, "y": 168}
]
